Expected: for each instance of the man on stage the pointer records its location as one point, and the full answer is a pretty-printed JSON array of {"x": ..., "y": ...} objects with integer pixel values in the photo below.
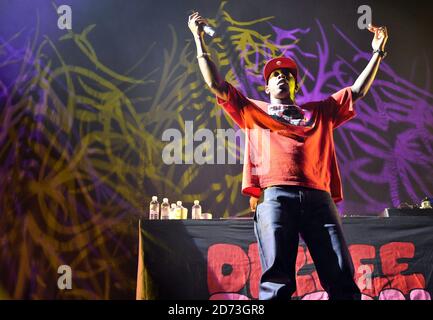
[{"x": 300, "y": 178}]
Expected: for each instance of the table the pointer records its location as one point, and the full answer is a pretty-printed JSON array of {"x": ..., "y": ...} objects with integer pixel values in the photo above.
[{"x": 218, "y": 259}]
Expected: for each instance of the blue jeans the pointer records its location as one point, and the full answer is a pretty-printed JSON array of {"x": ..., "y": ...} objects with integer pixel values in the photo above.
[{"x": 286, "y": 212}]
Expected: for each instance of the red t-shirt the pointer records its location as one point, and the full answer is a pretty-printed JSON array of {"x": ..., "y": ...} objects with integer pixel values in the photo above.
[{"x": 278, "y": 153}]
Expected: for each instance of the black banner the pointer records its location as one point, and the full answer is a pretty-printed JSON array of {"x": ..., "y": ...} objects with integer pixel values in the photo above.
[{"x": 215, "y": 260}]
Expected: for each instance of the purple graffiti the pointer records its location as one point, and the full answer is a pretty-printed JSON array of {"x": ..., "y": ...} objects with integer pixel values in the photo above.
[{"x": 385, "y": 153}]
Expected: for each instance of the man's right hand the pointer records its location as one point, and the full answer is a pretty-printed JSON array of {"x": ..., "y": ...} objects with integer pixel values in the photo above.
[
  {"x": 208, "y": 69},
  {"x": 196, "y": 24}
]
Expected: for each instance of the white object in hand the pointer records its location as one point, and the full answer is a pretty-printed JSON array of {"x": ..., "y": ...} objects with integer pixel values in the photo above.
[{"x": 209, "y": 31}]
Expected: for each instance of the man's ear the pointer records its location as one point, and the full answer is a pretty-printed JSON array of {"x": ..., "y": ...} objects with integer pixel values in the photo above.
[{"x": 267, "y": 89}]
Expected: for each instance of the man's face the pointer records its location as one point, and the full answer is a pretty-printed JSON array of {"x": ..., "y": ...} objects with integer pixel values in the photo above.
[{"x": 281, "y": 84}]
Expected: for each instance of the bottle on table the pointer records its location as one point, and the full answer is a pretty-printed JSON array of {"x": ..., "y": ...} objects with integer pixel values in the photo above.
[
  {"x": 172, "y": 214},
  {"x": 165, "y": 209},
  {"x": 181, "y": 212},
  {"x": 154, "y": 209},
  {"x": 196, "y": 210},
  {"x": 184, "y": 213}
]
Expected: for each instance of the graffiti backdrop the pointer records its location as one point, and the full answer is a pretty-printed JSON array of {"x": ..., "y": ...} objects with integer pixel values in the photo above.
[{"x": 83, "y": 111}]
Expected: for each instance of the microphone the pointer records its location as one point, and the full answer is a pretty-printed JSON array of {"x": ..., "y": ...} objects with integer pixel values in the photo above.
[{"x": 209, "y": 31}]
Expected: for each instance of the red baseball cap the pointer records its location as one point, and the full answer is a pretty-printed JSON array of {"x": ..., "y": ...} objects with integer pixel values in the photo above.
[{"x": 280, "y": 63}]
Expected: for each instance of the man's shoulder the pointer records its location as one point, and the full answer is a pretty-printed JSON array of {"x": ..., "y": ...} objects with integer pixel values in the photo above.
[
  {"x": 311, "y": 105},
  {"x": 324, "y": 98},
  {"x": 259, "y": 103}
]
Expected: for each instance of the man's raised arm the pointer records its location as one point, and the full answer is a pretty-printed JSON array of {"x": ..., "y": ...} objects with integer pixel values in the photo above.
[
  {"x": 365, "y": 79},
  {"x": 208, "y": 69}
]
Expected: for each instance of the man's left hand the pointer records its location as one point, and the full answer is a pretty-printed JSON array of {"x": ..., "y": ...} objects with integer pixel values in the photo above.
[
  {"x": 380, "y": 37},
  {"x": 253, "y": 203}
]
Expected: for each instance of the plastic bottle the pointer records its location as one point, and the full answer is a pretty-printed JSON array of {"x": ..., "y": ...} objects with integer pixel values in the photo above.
[
  {"x": 172, "y": 214},
  {"x": 178, "y": 210},
  {"x": 154, "y": 209},
  {"x": 184, "y": 213},
  {"x": 196, "y": 210},
  {"x": 165, "y": 209}
]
